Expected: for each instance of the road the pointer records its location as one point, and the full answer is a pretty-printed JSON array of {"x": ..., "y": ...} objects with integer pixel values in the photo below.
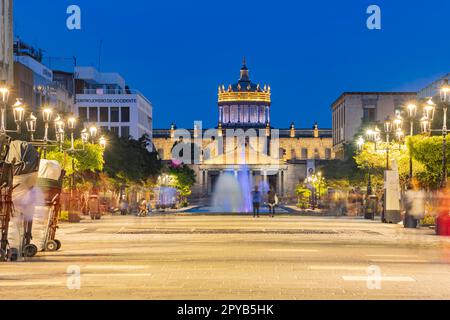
[{"x": 234, "y": 257}]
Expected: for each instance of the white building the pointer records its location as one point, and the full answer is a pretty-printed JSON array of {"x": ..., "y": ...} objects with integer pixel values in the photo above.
[
  {"x": 35, "y": 83},
  {"x": 353, "y": 109},
  {"x": 104, "y": 100},
  {"x": 6, "y": 41}
]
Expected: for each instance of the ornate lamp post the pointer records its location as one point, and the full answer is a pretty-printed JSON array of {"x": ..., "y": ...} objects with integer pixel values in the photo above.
[
  {"x": 387, "y": 130},
  {"x": 445, "y": 99},
  {"x": 412, "y": 113}
]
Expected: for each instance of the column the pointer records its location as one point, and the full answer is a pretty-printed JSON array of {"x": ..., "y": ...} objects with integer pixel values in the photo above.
[
  {"x": 279, "y": 183},
  {"x": 207, "y": 182}
]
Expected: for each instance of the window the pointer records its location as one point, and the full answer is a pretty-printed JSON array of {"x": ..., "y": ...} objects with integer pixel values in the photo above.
[
  {"x": 234, "y": 114},
  {"x": 125, "y": 113},
  {"x": 104, "y": 114},
  {"x": 93, "y": 114},
  {"x": 316, "y": 154},
  {"x": 115, "y": 130},
  {"x": 369, "y": 114},
  {"x": 262, "y": 114},
  {"x": 293, "y": 154},
  {"x": 304, "y": 153},
  {"x": 226, "y": 114},
  {"x": 104, "y": 129},
  {"x": 115, "y": 115},
  {"x": 82, "y": 114},
  {"x": 125, "y": 131},
  {"x": 254, "y": 114},
  {"x": 328, "y": 153}
]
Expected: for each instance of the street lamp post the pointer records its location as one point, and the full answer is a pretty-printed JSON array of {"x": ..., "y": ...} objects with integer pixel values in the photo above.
[
  {"x": 388, "y": 130},
  {"x": 445, "y": 99},
  {"x": 412, "y": 113}
]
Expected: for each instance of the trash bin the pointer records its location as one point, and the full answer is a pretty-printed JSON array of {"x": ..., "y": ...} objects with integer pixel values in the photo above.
[
  {"x": 94, "y": 208},
  {"x": 410, "y": 222},
  {"x": 371, "y": 208}
]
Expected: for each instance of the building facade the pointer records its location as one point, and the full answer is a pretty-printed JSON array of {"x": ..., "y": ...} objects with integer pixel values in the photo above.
[
  {"x": 103, "y": 99},
  {"x": 354, "y": 109},
  {"x": 36, "y": 84},
  {"x": 245, "y": 142},
  {"x": 433, "y": 89},
  {"x": 6, "y": 42}
]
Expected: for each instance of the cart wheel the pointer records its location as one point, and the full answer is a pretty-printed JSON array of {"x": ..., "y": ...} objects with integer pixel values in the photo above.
[
  {"x": 30, "y": 250},
  {"x": 58, "y": 244},
  {"x": 13, "y": 254},
  {"x": 2, "y": 255},
  {"x": 51, "y": 246}
]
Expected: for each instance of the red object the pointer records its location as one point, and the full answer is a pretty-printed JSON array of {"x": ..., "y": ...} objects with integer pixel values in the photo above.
[{"x": 443, "y": 225}]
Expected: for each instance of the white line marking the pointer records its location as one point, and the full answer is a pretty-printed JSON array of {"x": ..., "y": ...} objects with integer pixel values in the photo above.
[
  {"x": 345, "y": 268},
  {"x": 117, "y": 267},
  {"x": 29, "y": 283},
  {"x": 392, "y": 255},
  {"x": 293, "y": 250},
  {"x": 399, "y": 261},
  {"x": 386, "y": 279},
  {"x": 99, "y": 275}
]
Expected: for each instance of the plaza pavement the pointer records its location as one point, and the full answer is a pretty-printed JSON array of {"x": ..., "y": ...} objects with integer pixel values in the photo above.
[{"x": 234, "y": 257}]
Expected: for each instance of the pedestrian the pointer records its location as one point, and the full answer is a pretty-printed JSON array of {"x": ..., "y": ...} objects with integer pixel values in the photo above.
[
  {"x": 414, "y": 205},
  {"x": 272, "y": 201},
  {"x": 143, "y": 208},
  {"x": 123, "y": 206},
  {"x": 257, "y": 198}
]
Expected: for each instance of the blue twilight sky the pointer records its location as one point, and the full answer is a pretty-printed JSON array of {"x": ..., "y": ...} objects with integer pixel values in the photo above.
[{"x": 178, "y": 52}]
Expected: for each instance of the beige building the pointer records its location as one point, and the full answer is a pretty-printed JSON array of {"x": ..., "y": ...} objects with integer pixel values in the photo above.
[
  {"x": 245, "y": 142},
  {"x": 353, "y": 109},
  {"x": 6, "y": 42}
]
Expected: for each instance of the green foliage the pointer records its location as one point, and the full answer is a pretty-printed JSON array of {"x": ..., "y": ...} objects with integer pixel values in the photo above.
[
  {"x": 64, "y": 216},
  {"x": 184, "y": 179},
  {"x": 88, "y": 159},
  {"x": 428, "y": 151},
  {"x": 129, "y": 160},
  {"x": 373, "y": 160},
  {"x": 303, "y": 196},
  {"x": 342, "y": 172}
]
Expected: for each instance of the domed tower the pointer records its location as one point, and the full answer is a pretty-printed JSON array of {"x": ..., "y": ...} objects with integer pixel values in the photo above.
[{"x": 244, "y": 104}]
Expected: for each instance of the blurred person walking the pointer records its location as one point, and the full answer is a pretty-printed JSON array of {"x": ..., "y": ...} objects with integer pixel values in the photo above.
[
  {"x": 257, "y": 199},
  {"x": 414, "y": 205},
  {"x": 272, "y": 201}
]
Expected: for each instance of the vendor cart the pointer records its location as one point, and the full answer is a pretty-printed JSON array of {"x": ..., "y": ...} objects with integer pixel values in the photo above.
[
  {"x": 50, "y": 182},
  {"x": 25, "y": 197},
  {"x": 6, "y": 206}
]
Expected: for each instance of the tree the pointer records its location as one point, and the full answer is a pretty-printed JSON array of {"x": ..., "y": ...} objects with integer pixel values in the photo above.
[
  {"x": 303, "y": 196},
  {"x": 184, "y": 179},
  {"x": 88, "y": 158},
  {"x": 130, "y": 161},
  {"x": 428, "y": 152}
]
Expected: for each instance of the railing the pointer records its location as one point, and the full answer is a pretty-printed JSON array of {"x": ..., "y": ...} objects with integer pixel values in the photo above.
[{"x": 110, "y": 91}]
